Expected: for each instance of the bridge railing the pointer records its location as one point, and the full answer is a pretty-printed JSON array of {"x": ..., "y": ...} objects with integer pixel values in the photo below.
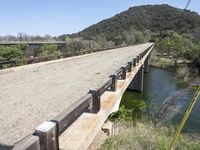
[{"x": 46, "y": 136}]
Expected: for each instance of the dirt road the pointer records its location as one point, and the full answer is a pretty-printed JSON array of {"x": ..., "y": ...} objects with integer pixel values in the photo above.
[{"x": 35, "y": 94}]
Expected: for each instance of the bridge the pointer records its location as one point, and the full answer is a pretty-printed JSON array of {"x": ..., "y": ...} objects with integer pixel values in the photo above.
[{"x": 75, "y": 95}]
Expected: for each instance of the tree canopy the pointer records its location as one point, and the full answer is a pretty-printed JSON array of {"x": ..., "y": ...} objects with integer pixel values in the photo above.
[{"x": 10, "y": 52}]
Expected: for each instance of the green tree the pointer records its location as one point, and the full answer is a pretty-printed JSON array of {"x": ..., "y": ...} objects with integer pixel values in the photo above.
[
  {"x": 10, "y": 52},
  {"x": 47, "y": 49},
  {"x": 174, "y": 44}
]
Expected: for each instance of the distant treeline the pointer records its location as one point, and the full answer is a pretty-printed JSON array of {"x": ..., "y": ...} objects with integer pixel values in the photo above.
[
  {"x": 20, "y": 51},
  {"x": 25, "y": 37}
]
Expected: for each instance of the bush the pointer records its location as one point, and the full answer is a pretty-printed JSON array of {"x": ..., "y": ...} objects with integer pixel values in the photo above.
[
  {"x": 47, "y": 49},
  {"x": 122, "y": 114},
  {"x": 10, "y": 52},
  {"x": 182, "y": 73},
  {"x": 174, "y": 44}
]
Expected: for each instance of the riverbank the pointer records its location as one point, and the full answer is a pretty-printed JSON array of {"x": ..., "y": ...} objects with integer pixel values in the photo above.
[{"x": 180, "y": 67}]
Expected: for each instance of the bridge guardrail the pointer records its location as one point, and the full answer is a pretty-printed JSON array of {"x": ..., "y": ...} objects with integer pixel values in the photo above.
[
  {"x": 69, "y": 115},
  {"x": 46, "y": 136}
]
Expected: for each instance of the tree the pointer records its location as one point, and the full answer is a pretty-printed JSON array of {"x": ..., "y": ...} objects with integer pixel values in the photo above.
[
  {"x": 47, "y": 49},
  {"x": 174, "y": 44},
  {"x": 22, "y": 36},
  {"x": 10, "y": 52}
]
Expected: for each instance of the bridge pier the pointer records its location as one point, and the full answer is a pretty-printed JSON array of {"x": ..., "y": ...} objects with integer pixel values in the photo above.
[
  {"x": 146, "y": 65},
  {"x": 137, "y": 82}
]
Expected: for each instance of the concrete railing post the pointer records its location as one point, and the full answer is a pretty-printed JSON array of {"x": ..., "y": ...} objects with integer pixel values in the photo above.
[
  {"x": 134, "y": 62},
  {"x": 48, "y": 136},
  {"x": 129, "y": 66},
  {"x": 123, "y": 73},
  {"x": 14, "y": 63},
  {"x": 140, "y": 56},
  {"x": 138, "y": 59},
  {"x": 113, "y": 86},
  {"x": 95, "y": 100}
]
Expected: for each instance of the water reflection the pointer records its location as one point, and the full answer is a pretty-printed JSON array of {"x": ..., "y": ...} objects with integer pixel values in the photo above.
[{"x": 159, "y": 84}]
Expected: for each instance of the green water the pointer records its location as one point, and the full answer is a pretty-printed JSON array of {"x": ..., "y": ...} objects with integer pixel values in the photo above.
[{"x": 158, "y": 85}]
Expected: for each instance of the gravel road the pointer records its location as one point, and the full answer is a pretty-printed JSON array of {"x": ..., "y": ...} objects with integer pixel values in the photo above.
[{"x": 30, "y": 96}]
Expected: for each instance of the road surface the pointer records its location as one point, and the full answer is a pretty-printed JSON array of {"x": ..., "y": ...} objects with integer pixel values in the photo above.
[{"x": 33, "y": 95}]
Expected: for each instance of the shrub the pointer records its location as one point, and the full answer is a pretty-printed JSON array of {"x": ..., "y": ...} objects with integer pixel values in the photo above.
[
  {"x": 47, "y": 49},
  {"x": 9, "y": 52},
  {"x": 182, "y": 73}
]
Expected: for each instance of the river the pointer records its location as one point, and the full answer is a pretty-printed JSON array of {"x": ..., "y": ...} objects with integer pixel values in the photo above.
[{"x": 158, "y": 85}]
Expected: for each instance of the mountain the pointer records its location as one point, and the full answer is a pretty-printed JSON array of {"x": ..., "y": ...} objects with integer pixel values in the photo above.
[{"x": 152, "y": 18}]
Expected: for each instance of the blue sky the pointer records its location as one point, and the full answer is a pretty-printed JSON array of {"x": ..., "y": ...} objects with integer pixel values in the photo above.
[{"x": 55, "y": 17}]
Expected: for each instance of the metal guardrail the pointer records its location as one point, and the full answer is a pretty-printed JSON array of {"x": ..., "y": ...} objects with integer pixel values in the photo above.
[
  {"x": 46, "y": 135},
  {"x": 10, "y": 62}
]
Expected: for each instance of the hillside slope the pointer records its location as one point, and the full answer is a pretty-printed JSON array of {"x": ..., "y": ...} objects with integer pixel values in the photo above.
[{"x": 155, "y": 18}]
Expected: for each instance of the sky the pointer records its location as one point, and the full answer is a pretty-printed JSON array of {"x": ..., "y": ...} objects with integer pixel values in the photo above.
[{"x": 56, "y": 17}]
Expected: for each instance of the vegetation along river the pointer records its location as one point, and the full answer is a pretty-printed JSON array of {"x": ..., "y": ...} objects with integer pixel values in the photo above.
[{"x": 160, "y": 84}]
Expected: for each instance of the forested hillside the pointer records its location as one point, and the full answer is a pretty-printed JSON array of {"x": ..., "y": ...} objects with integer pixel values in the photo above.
[
  {"x": 152, "y": 18},
  {"x": 144, "y": 19}
]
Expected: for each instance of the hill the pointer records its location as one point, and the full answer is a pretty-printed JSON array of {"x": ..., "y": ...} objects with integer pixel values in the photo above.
[{"x": 154, "y": 18}]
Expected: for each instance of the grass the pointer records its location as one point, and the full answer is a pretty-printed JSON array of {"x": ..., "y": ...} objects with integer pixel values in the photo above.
[{"x": 144, "y": 136}]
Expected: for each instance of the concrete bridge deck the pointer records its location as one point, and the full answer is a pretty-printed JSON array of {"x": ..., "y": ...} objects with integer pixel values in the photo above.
[{"x": 29, "y": 95}]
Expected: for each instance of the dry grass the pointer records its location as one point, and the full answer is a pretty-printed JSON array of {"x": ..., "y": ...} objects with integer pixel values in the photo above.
[{"x": 144, "y": 136}]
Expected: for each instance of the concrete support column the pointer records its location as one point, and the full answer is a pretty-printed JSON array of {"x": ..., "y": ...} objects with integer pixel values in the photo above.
[
  {"x": 137, "y": 82},
  {"x": 146, "y": 65}
]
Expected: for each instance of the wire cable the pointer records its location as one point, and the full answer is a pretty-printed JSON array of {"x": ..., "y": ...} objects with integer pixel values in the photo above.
[{"x": 188, "y": 3}]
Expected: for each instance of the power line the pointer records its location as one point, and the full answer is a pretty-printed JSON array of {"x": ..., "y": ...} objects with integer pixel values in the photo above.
[{"x": 188, "y": 3}]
